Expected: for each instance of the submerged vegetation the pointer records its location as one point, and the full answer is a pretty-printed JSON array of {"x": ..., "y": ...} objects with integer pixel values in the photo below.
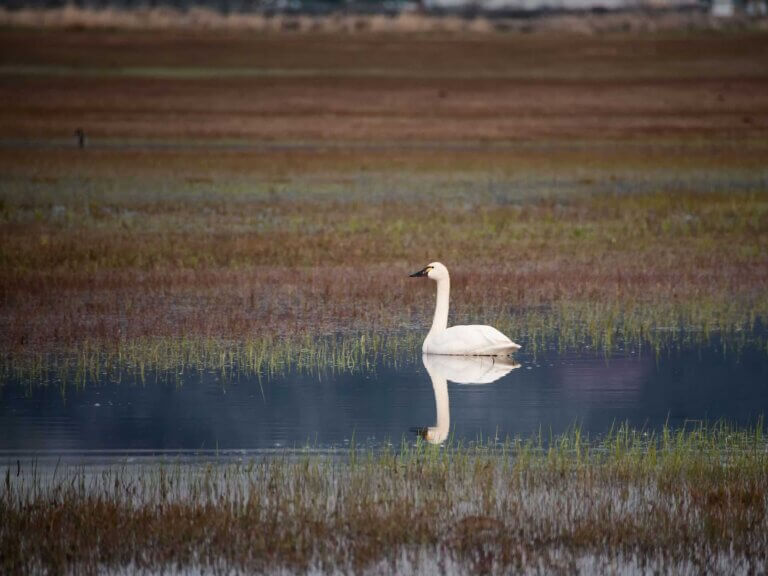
[{"x": 684, "y": 501}]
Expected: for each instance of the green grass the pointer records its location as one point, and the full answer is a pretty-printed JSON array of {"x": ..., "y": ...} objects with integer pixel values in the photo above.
[{"x": 689, "y": 499}]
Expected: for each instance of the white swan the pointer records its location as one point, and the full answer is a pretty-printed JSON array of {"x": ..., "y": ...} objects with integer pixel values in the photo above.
[
  {"x": 474, "y": 340},
  {"x": 462, "y": 370}
]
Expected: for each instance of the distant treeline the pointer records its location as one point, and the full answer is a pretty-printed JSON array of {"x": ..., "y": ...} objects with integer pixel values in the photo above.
[
  {"x": 387, "y": 7},
  {"x": 229, "y": 6}
]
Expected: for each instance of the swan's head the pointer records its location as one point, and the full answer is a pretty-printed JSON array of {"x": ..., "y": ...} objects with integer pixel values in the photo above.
[{"x": 434, "y": 271}]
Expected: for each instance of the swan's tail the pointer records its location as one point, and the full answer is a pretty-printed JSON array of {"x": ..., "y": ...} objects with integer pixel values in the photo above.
[{"x": 504, "y": 349}]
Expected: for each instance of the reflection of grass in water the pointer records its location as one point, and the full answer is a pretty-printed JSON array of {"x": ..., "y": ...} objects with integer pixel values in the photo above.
[{"x": 676, "y": 499}]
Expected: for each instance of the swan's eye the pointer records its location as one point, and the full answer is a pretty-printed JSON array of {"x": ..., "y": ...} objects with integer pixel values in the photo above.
[{"x": 429, "y": 269}]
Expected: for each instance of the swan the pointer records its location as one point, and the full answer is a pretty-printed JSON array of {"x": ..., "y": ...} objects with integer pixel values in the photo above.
[
  {"x": 462, "y": 370},
  {"x": 473, "y": 340}
]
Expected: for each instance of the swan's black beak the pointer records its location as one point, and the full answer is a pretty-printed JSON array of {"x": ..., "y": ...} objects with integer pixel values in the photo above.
[
  {"x": 422, "y": 272},
  {"x": 420, "y": 431}
]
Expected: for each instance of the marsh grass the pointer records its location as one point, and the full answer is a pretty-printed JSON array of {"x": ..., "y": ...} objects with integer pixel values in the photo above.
[
  {"x": 693, "y": 499},
  {"x": 174, "y": 360},
  {"x": 172, "y": 278}
]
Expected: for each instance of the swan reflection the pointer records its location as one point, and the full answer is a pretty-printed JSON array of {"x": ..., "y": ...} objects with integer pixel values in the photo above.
[{"x": 461, "y": 370}]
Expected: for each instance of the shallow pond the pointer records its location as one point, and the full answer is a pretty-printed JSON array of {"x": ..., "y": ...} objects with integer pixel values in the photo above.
[{"x": 436, "y": 397}]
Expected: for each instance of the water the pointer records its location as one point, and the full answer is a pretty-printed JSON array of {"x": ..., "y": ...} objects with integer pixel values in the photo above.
[{"x": 203, "y": 413}]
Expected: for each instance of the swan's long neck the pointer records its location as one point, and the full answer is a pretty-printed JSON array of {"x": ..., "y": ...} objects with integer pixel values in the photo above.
[{"x": 440, "y": 321}]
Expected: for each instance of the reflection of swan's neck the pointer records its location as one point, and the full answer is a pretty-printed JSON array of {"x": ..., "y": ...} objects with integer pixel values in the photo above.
[
  {"x": 438, "y": 433},
  {"x": 443, "y": 424},
  {"x": 440, "y": 322}
]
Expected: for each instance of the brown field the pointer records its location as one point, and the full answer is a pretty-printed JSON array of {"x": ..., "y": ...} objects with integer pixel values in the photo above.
[
  {"x": 243, "y": 185},
  {"x": 380, "y": 88}
]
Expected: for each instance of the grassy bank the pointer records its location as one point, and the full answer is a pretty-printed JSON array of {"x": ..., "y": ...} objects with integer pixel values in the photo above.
[
  {"x": 685, "y": 501},
  {"x": 173, "y": 359},
  {"x": 182, "y": 277}
]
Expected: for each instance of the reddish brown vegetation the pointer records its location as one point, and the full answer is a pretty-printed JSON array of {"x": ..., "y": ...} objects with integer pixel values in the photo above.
[{"x": 376, "y": 88}]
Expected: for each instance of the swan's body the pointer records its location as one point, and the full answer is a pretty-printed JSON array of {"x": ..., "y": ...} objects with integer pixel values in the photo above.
[
  {"x": 462, "y": 370},
  {"x": 472, "y": 340}
]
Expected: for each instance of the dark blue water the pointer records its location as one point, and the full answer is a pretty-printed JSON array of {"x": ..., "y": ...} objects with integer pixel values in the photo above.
[{"x": 551, "y": 392}]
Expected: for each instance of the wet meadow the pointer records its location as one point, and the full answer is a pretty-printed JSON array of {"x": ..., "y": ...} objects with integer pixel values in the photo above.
[{"x": 248, "y": 206}]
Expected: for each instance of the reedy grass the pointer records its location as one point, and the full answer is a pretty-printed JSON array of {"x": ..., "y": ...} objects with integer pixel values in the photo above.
[
  {"x": 173, "y": 360},
  {"x": 684, "y": 497},
  {"x": 566, "y": 326}
]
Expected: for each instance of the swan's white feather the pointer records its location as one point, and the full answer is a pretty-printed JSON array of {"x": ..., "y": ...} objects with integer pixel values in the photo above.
[{"x": 471, "y": 340}]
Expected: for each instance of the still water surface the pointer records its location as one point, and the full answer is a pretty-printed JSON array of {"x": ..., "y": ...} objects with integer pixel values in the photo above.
[{"x": 434, "y": 397}]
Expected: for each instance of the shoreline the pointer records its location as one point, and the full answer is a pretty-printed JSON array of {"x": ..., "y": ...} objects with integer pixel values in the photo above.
[{"x": 679, "y": 501}]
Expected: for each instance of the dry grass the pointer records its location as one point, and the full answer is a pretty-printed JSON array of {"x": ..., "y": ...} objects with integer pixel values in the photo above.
[{"x": 687, "y": 501}]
